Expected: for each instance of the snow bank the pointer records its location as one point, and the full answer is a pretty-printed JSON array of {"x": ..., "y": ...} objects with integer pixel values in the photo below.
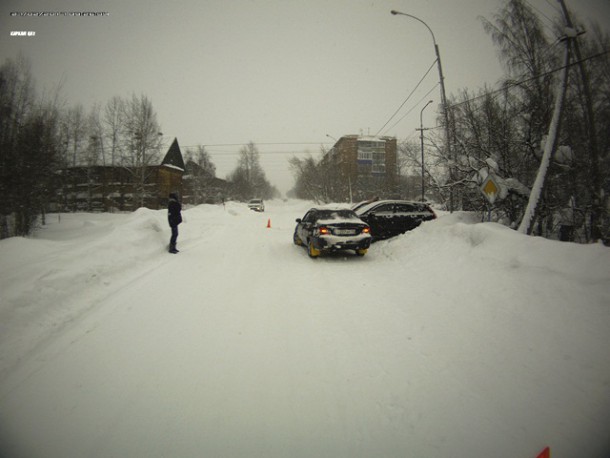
[{"x": 67, "y": 268}]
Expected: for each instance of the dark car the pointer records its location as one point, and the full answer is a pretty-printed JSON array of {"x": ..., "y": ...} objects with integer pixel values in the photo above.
[
  {"x": 388, "y": 218},
  {"x": 327, "y": 230}
]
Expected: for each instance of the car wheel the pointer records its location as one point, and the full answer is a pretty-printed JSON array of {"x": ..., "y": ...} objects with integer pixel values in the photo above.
[
  {"x": 312, "y": 251},
  {"x": 361, "y": 252}
]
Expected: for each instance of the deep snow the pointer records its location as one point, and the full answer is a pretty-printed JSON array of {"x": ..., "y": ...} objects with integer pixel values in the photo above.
[{"x": 458, "y": 339}]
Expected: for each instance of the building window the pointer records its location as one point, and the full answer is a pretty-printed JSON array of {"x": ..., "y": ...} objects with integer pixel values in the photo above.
[
  {"x": 372, "y": 152},
  {"x": 364, "y": 155},
  {"x": 378, "y": 169}
]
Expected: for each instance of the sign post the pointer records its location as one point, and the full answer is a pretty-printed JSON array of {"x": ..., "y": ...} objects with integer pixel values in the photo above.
[{"x": 490, "y": 189}]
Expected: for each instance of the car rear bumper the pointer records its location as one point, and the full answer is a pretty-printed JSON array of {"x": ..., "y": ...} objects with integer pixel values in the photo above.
[{"x": 335, "y": 243}]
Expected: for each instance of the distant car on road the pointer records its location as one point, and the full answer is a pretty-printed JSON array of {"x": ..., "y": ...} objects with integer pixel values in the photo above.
[
  {"x": 257, "y": 205},
  {"x": 327, "y": 230},
  {"x": 389, "y": 218}
]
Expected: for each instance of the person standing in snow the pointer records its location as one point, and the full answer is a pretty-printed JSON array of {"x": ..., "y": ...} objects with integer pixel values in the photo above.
[{"x": 174, "y": 217}]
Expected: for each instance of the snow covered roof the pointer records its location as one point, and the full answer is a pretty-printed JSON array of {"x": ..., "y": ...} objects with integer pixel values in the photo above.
[
  {"x": 371, "y": 138},
  {"x": 172, "y": 166}
]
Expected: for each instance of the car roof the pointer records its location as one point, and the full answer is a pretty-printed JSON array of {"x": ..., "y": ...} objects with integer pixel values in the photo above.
[
  {"x": 329, "y": 209},
  {"x": 371, "y": 205}
]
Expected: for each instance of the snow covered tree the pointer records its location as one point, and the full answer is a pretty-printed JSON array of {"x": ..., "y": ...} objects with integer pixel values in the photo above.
[
  {"x": 519, "y": 116},
  {"x": 504, "y": 132}
]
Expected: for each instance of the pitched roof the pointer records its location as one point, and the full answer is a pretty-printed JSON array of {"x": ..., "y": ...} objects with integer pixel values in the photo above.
[{"x": 173, "y": 158}]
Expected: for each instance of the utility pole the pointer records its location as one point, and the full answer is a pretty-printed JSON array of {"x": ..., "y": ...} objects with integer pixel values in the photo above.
[
  {"x": 445, "y": 108},
  {"x": 596, "y": 180},
  {"x": 529, "y": 217},
  {"x": 421, "y": 136}
]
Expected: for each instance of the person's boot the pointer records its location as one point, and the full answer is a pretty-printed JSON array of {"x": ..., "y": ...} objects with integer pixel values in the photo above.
[{"x": 172, "y": 249}]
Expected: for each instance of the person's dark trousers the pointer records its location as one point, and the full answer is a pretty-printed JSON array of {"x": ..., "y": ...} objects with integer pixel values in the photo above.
[{"x": 173, "y": 239}]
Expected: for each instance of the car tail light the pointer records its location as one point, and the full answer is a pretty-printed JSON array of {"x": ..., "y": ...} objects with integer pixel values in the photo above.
[
  {"x": 324, "y": 230},
  {"x": 366, "y": 230}
]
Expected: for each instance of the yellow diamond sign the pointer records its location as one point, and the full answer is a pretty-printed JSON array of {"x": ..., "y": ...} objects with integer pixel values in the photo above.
[{"x": 490, "y": 189}]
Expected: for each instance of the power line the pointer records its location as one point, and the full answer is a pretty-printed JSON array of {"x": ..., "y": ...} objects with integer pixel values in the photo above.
[
  {"x": 519, "y": 83},
  {"x": 230, "y": 153},
  {"x": 413, "y": 107},
  {"x": 256, "y": 144},
  {"x": 408, "y": 97},
  {"x": 555, "y": 7},
  {"x": 552, "y": 22},
  {"x": 206, "y": 145}
]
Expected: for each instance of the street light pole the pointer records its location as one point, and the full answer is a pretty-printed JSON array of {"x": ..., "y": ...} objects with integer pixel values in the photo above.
[
  {"x": 443, "y": 97},
  {"x": 421, "y": 136}
]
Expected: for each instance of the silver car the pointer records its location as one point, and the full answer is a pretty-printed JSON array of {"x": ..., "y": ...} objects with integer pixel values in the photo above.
[{"x": 257, "y": 205}]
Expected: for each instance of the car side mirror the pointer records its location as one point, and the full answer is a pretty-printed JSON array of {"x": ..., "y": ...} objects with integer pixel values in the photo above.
[{"x": 298, "y": 220}]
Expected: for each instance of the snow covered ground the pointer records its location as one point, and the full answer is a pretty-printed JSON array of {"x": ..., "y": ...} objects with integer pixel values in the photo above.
[{"x": 458, "y": 339}]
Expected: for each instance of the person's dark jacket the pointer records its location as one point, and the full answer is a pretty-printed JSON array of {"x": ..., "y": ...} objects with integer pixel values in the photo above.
[{"x": 174, "y": 217}]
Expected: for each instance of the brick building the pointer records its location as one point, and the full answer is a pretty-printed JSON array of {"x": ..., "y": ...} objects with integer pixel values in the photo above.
[{"x": 366, "y": 166}]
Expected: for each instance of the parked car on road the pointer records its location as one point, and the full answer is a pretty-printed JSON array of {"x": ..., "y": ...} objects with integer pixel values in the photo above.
[
  {"x": 327, "y": 230},
  {"x": 388, "y": 218},
  {"x": 257, "y": 205}
]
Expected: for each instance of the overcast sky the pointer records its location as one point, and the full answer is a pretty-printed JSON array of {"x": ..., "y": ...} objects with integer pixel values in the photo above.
[{"x": 281, "y": 73}]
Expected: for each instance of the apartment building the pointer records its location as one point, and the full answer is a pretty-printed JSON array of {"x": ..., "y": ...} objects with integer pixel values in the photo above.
[{"x": 365, "y": 166}]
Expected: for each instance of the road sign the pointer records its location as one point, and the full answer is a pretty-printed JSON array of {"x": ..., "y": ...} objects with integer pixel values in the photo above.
[{"x": 490, "y": 189}]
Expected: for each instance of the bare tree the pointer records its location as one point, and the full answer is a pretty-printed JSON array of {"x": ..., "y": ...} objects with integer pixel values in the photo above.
[
  {"x": 28, "y": 149},
  {"x": 113, "y": 123},
  {"x": 95, "y": 149},
  {"x": 202, "y": 158},
  {"x": 200, "y": 175},
  {"x": 249, "y": 178},
  {"x": 75, "y": 125},
  {"x": 308, "y": 184},
  {"x": 143, "y": 140}
]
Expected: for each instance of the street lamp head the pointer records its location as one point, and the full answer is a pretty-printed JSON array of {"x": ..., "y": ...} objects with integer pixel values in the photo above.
[{"x": 394, "y": 12}]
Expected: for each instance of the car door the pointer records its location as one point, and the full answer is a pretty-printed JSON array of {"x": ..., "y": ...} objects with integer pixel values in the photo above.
[
  {"x": 405, "y": 217},
  {"x": 306, "y": 226},
  {"x": 379, "y": 218},
  {"x": 411, "y": 215}
]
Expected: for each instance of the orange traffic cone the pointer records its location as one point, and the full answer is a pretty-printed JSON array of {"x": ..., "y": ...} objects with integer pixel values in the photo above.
[{"x": 268, "y": 223}]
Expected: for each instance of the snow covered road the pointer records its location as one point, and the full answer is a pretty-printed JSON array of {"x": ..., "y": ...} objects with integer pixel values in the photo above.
[{"x": 454, "y": 340}]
